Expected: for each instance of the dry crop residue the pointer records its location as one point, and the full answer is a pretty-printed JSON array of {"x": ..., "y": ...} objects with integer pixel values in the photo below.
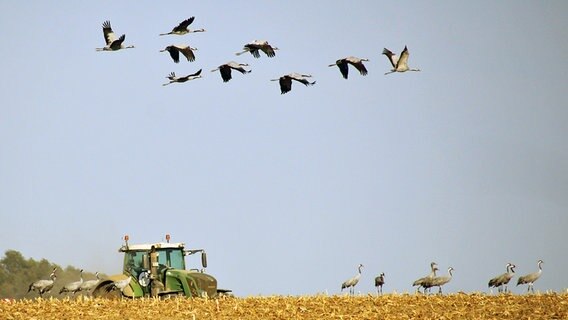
[{"x": 390, "y": 306}]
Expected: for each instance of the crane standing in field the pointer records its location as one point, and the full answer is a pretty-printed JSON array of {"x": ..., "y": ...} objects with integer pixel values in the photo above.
[
  {"x": 112, "y": 43},
  {"x": 121, "y": 284},
  {"x": 379, "y": 282},
  {"x": 426, "y": 282},
  {"x": 442, "y": 280},
  {"x": 531, "y": 277},
  {"x": 44, "y": 286},
  {"x": 343, "y": 65},
  {"x": 399, "y": 64},
  {"x": 501, "y": 281},
  {"x": 182, "y": 28},
  {"x": 352, "y": 282},
  {"x": 225, "y": 69},
  {"x": 175, "y": 50},
  {"x": 286, "y": 81},
  {"x": 90, "y": 284},
  {"x": 256, "y": 45},
  {"x": 73, "y": 287}
]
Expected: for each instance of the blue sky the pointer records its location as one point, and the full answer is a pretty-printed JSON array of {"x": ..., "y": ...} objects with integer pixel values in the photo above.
[{"x": 463, "y": 163}]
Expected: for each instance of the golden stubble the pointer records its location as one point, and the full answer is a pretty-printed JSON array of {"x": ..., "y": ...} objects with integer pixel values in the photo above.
[{"x": 389, "y": 306}]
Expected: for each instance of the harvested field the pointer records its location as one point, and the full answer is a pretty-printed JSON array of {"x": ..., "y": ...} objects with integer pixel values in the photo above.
[{"x": 393, "y": 306}]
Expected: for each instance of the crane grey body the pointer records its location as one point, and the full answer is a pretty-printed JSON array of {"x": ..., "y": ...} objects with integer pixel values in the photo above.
[
  {"x": 175, "y": 50},
  {"x": 442, "y": 280},
  {"x": 426, "y": 282},
  {"x": 399, "y": 63},
  {"x": 44, "y": 286},
  {"x": 90, "y": 284},
  {"x": 256, "y": 46},
  {"x": 182, "y": 28},
  {"x": 120, "y": 285},
  {"x": 286, "y": 81},
  {"x": 225, "y": 69},
  {"x": 500, "y": 282},
  {"x": 112, "y": 43},
  {"x": 352, "y": 282},
  {"x": 73, "y": 287},
  {"x": 531, "y": 277},
  {"x": 173, "y": 78},
  {"x": 343, "y": 65},
  {"x": 379, "y": 282}
]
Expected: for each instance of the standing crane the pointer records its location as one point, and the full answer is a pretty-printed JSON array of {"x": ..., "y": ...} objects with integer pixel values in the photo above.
[
  {"x": 531, "y": 277},
  {"x": 182, "y": 28},
  {"x": 73, "y": 287},
  {"x": 175, "y": 50},
  {"x": 442, "y": 280},
  {"x": 502, "y": 280},
  {"x": 173, "y": 77},
  {"x": 256, "y": 45},
  {"x": 379, "y": 281},
  {"x": 112, "y": 43},
  {"x": 90, "y": 284},
  {"x": 286, "y": 81},
  {"x": 44, "y": 286},
  {"x": 399, "y": 64},
  {"x": 343, "y": 65},
  {"x": 352, "y": 282},
  {"x": 426, "y": 281},
  {"x": 225, "y": 69},
  {"x": 121, "y": 284}
]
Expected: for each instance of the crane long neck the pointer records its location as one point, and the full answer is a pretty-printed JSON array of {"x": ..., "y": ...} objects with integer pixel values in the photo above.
[{"x": 433, "y": 269}]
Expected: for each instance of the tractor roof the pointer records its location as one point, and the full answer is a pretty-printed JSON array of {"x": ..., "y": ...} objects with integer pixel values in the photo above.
[{"x": 148, "y": 246}]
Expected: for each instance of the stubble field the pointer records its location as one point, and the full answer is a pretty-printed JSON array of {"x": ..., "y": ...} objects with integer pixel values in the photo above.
[{"x": 391, "y": 306}]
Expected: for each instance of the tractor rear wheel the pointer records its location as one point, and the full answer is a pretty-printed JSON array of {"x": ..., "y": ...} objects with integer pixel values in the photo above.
[{"x": 107, "y": 291}]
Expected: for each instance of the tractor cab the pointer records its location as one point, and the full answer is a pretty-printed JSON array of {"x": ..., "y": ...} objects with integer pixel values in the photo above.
[{"x": 143, "y": 258}]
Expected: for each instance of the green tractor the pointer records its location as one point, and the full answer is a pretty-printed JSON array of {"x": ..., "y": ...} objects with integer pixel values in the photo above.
[{"x": 158, "y": 270}]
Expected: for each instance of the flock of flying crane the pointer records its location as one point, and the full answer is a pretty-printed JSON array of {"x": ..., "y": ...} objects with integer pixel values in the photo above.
[
  {"x": 431, "y": 280},
  {"x": 399, "y": 62}
]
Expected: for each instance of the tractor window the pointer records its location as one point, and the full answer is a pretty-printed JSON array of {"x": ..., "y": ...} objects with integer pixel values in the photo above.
[
  {"x": 133, "y": 262},
  {"x": 172, "y": 258}
]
